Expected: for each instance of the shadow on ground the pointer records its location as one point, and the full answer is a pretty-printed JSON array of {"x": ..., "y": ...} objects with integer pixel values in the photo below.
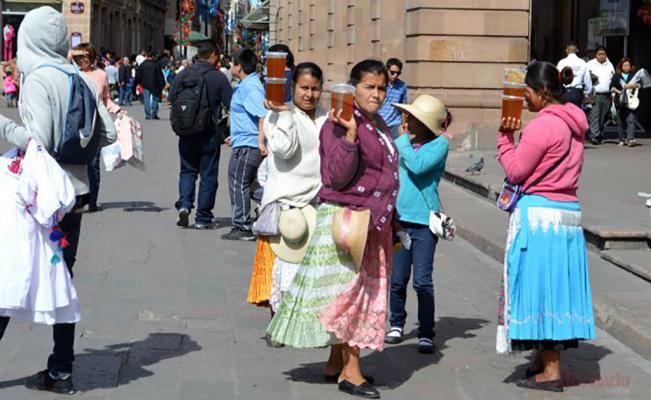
[
  {"x": 131, "y": 206},
  {"x": 396, "y": 364},
  {"x": 120, "y": 364},
  {"x": 579, "y": 366}
]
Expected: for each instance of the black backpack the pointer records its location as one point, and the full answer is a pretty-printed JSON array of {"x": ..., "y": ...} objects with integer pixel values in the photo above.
[
  {"x": 78, "y": 144},
  {"x": 191, "y": 114}
]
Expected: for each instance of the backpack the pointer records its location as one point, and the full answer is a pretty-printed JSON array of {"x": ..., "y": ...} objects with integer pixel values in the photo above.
[
  {"x": 77, "y": 145},
  {"x": 191, "y": 114}
]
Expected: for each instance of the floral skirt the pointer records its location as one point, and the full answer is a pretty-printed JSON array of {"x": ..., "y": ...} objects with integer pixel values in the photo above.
[
  {"x": 260, "y": 284},
  {"x": 329, "y": 302},
  {"x": 545, "y": 301}
]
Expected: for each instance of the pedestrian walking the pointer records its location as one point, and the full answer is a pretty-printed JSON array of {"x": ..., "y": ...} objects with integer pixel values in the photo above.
[
  {"x": 623, "y": 87},
  {"x": 42, "y": 51},
  {"x": 10, "y": 89},
  {"x": 338, "y": 297},
  {"x": 113, "y": 78},
  {"x": 581, "y": 85},
  {"x": 150, "y": 76},
  {"x": 247, "y": 114},
  {"x": 291, "y": 132},
  {"x": 199, "y": 140},
  {"x": 423, "y": 149},
  {"x": 125, "y": 82},
  {"x": 546, "y": 302},
  {"x": 85, "y": 56},
  {"x": 601, "y": 67},
  {"x": 396, "y": 93}
]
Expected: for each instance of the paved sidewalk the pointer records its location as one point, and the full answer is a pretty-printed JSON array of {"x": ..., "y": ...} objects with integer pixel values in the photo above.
[{"x": 165, "y": 317}]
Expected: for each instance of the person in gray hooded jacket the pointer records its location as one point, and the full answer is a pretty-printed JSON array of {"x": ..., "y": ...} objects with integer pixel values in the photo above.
[{"x": 43, "y": 39}]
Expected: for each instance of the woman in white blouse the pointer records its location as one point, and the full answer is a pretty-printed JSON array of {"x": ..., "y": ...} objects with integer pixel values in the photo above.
[{"x": 291, "y": 132}]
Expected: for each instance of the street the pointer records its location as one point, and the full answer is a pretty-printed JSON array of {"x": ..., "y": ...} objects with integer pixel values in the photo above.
[{"x": 164, "y": 315}]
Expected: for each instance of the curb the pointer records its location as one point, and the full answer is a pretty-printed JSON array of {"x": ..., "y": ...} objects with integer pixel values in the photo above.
[{"x": 598, "y": 238}]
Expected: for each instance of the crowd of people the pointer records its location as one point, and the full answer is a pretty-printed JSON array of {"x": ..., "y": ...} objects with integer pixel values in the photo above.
[
  {"x": 605, "y": 92},
  {"x": 348, "y": 208}
]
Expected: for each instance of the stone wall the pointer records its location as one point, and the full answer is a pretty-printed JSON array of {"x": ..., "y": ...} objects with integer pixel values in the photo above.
[{"x": 453, "y": 49}]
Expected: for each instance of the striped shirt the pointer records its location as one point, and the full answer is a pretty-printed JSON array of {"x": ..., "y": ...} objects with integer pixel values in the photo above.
[{"x": 396, "y": 93}]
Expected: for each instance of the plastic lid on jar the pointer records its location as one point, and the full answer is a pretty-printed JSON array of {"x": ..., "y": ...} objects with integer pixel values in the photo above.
[
  {"x": 342, "y": 88},
  {"x": 512, "y": 98},
  {"x": 275, "y": 54},
  {"x": 514, "y": 84},
  {"x": 275, "y": 81}
]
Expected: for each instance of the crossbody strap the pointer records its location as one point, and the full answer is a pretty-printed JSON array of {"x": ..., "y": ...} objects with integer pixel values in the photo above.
[{"x": 550, "y": 169}]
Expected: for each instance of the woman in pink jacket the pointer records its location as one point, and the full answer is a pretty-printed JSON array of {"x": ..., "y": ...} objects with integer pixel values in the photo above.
[
  {"x": 546, "y": 304},
  {"x": 85, "y": 56}
]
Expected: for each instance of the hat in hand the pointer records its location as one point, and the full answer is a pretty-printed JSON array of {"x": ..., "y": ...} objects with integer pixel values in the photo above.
[
  {"x": 296, "y": 227},
  {"x": 350, "y": 231},
  {"x": 428, "y": 110}
]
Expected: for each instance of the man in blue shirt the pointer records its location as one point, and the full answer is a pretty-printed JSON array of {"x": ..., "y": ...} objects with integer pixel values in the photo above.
[
  {"x": 396, "y": 93},
  {"x": 247, "y": 116}
]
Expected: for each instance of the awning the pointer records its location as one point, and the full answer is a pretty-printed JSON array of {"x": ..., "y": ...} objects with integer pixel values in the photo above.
[
  {"x": 40, "y": 2},
  {"x": 258, "y": 18}
]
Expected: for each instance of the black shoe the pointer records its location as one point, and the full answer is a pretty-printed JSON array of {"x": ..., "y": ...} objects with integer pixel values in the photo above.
[
  {"x": 156, "y": 117},
  {"x": 182, "y": 220},
  {"x": 43, "y": 381},
  {"x": 147, "y": 117},
  {"x": 550, "y": 386},
  {"x": 271, "y": 343},
  {"x": 95, "y": 208},
  {"x": 426, "y": 346},
  {"x": 335, "y": 377},
  {"x": 365, "y": 390},
  {"x": 394, "y": 336},
  {"x": 239, "y": 234},
  {"x": 205, "y": 227}
]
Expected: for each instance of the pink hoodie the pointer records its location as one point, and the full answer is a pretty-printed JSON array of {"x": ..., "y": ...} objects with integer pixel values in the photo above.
[{"x": 542, "y": 142}]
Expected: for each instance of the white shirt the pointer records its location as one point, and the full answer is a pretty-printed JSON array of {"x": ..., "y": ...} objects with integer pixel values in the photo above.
[
  {"x": 140, "y": 58},
  {"x": 604, "y": 72},
  {"x": 294, "y": 164},
  {"x": 35, "y": 284},
  {"x": 581, "y": 73},
  {"x": 228, "y": 74}
]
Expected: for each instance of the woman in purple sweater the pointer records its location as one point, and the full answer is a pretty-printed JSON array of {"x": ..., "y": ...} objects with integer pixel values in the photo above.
[{"x": 330, "y": 302}]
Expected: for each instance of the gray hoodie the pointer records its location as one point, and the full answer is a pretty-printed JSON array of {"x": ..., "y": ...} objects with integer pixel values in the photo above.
[{"x": 43, "y": 39}]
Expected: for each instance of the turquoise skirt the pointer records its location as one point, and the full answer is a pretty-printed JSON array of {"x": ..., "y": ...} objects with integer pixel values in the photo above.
[{"x": 546, "y": 277}]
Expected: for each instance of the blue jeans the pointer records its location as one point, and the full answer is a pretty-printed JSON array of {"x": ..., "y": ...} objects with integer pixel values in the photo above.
[
  {"x": 125, "y": 95},
  {"x": 242, "y": 173},
  {"x": 199, "y": 157},
  {"x": 93, "y": 169},
  {"x": 421, "y": 257},
  {"x": 151, "y": 104}
]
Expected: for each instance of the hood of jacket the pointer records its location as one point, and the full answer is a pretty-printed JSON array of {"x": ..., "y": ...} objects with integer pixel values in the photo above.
[
  {"x": 573, "y": 116},
  {"x": 42, "y": 39}
]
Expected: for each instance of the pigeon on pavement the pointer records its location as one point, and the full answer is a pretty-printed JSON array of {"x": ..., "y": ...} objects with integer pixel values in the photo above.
[{"x": 476, "y": 167}]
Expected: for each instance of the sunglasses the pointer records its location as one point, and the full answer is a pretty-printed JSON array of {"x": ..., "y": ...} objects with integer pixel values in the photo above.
[{"x": 396, "y": 73}]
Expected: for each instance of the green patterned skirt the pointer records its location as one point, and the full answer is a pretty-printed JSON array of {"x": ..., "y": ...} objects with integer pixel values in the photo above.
[{"x": 324, "y": 274}]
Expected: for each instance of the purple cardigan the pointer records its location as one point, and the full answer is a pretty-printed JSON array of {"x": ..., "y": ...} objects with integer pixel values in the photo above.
[{"x": 360, "y": 175}]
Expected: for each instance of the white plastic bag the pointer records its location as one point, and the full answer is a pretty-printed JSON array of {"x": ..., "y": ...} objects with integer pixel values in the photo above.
[
  {"x": 130, "y": 139},
  {"x": 111, "y": 157}
]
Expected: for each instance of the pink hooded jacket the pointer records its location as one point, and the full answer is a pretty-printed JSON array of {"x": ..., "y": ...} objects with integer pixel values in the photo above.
[{"x": 542, "y": 142}]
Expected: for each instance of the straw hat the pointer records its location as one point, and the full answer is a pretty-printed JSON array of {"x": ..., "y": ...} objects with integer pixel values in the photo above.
[
  {"x": 350, "y": 230},
  {"x": 296, "y": 227},
  {"x": 428, "y": 110}
]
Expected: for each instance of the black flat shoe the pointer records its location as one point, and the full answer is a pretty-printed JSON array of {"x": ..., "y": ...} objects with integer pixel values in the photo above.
[
  {"x": 550, "y": 386},
  {"x": 335, "y": 377},
  {"x": 365, "y": 390}
]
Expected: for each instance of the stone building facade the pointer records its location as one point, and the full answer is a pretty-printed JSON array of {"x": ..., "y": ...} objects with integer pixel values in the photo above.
[{"x": 453, "y": 49}]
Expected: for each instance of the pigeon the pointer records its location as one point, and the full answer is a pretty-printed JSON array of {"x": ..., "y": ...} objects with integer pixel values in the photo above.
[{"x": 476, "y": 167}]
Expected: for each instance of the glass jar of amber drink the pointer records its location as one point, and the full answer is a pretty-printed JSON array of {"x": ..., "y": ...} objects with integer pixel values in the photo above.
[{"x": 341, "y": 98}]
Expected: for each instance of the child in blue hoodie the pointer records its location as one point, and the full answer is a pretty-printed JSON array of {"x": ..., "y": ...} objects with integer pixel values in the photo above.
[{"x": 423, "y": 149}]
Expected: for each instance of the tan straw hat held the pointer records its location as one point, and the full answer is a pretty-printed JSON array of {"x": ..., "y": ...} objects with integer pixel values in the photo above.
[
  {"x": 428, "y": 110},
  {"x": 350, "y": 230},
  {"x": 296, "y": 227}
]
